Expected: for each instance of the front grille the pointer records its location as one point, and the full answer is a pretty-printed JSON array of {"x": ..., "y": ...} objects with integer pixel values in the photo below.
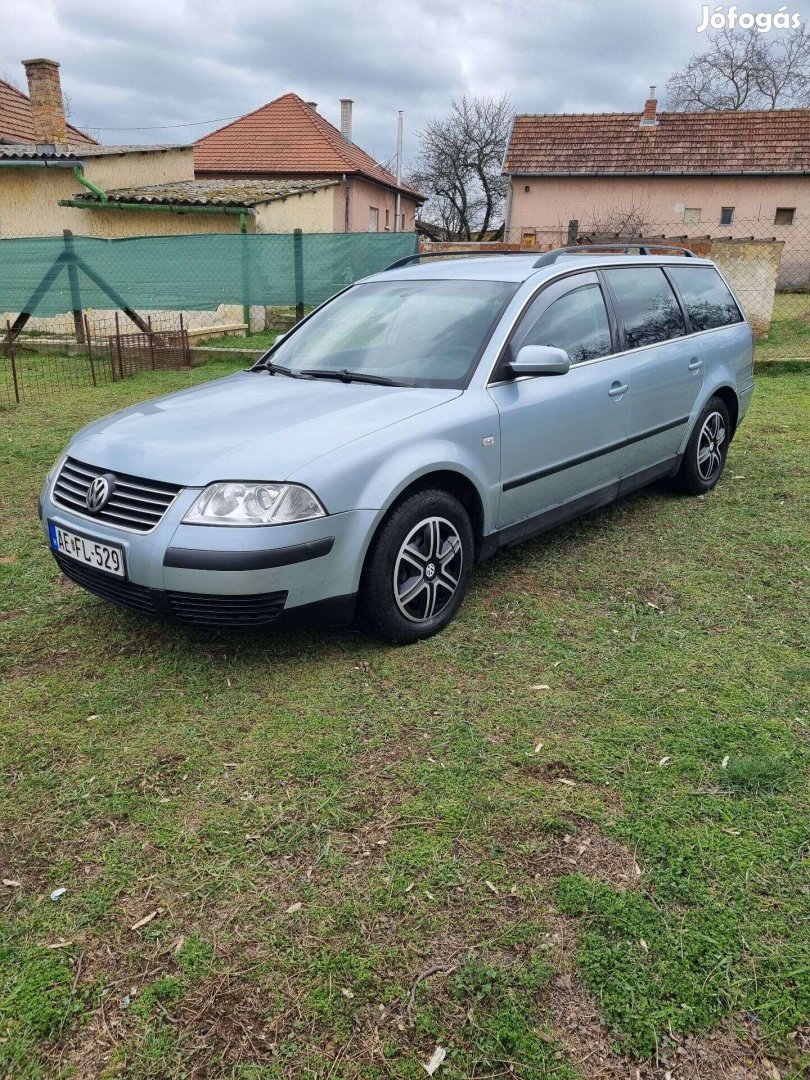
[
  {"x": 228, "y": 612},
  {"x": 193, "y": 609},
  {"x": 135, "y": 504},
  {"x": 111, "y": 588}
]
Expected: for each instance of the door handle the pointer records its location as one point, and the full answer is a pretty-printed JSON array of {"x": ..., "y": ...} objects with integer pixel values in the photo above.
[
  {"x": 617, "y": 389},
  {"x": 695, "y": 364}
]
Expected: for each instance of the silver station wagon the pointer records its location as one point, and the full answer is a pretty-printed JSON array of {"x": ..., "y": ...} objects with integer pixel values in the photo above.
[{"x": 408, "y": 428}]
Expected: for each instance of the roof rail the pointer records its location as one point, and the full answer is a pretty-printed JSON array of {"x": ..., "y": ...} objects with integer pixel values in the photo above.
[
  {"x": 644, "y": 248},
  {"x": 449, "y": 255}
]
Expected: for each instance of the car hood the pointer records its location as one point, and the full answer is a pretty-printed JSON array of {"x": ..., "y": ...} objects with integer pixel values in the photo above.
[{"x": 248, "y": 426}]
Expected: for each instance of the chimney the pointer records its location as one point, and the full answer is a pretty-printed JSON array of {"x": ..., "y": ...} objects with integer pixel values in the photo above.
[
  {"x": 313, "y": 105},
  {"x": 649, "y": 118},
  {"x": 346, "y": 118},
  {"x": 47, "y": 106}
]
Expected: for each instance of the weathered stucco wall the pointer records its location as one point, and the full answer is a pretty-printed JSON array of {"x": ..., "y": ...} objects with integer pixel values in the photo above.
[
  {"x": 29, "y": 197},
  {"x": 362, "y": 196},
  {"x": 312, "y": 211}
]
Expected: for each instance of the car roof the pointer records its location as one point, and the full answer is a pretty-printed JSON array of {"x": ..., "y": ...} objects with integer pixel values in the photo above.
[{"x": 520, "y": 267}]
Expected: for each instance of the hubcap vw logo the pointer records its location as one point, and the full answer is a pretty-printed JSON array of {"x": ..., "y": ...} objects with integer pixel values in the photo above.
[
  {"x": 430, "y": 571},
  {"x": 98, "y": 494}
]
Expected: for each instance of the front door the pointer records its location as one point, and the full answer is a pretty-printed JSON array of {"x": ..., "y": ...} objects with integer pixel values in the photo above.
[{"x": 562, "y": 435}]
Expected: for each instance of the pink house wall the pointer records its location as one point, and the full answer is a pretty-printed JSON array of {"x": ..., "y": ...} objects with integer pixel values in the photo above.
[
  {"x": 551, "y": 202},
  {"x": 364, "y": 194}
]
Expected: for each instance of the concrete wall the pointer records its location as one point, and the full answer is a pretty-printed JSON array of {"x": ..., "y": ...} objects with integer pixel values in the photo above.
[
  {"x": 601, "y": 203},
  {"x": 29, "y": 197}
]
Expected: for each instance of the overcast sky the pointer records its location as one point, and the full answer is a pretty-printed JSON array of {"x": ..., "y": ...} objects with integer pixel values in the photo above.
[{"x": 172, "y": 62}]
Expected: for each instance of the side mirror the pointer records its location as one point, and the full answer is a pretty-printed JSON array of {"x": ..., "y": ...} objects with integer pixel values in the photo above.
[{"x": 540, "y": 360}]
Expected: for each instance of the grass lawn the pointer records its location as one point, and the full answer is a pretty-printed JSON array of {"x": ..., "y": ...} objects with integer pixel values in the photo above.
[
  {"x": 262, "y": 339},
  {"x": 567, "y": 835},
  {"x": 789, "y": 335}
]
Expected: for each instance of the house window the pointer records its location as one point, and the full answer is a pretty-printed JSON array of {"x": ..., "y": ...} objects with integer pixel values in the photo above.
[
  {"x": 691, "y": 215},
  {"x": 784, "y": 215},
  {"x": 373, "y": 219},
  {"x": 726, "y": 215}
]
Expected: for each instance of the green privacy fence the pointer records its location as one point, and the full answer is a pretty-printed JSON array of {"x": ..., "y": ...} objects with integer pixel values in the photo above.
[{"x": 49, "y": 275}]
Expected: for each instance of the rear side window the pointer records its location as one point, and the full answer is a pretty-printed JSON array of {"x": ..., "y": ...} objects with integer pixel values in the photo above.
[
  {"x": 577, "y": 322},
  {"x": 647, "y": 304},
  {"x": 706, "y": 297}
]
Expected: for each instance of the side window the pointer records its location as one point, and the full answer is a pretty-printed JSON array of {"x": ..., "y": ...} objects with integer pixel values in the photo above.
[
  {"x": 647, "y": 304},
  {"x": 705, "y": 297},
  {"x": 577, "y": 322}
]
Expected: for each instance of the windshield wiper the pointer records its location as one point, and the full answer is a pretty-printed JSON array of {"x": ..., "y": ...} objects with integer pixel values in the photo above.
[
  {"x": 274, "y": 369},
  {"x": 351, "y": 376}
]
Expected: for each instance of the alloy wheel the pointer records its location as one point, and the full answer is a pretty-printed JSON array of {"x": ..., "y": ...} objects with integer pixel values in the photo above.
[
  {"x": 428, "y": 569},
  {"x": 709, "y": 446}
]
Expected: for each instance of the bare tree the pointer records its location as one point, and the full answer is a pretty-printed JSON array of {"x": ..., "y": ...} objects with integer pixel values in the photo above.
[
  {"x": 459, "y": 166},
  {"x": 744, "y": 69},
  {"x": 623, "y": 220}
]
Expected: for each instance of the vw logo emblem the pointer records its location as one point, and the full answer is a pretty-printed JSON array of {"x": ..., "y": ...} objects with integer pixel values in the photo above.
[
  {"x": 430, "y": 571},
  {"x": 98, "y": 494}
]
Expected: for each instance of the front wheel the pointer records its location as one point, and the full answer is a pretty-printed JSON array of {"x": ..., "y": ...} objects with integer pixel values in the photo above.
[
  {"x": 417, "y": 568},
  {"x": 705, "y": 456}
]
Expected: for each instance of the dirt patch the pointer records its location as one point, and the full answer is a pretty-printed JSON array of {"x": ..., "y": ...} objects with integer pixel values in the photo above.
[{"x": 588, "y": 852}]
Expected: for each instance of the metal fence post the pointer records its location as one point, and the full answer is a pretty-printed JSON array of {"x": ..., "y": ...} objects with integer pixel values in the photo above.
[
  {"x": 10, "y": 340},
  {"x": 152, "y": 341},
  {"x": 73, "y": 279},
  {"x": 243, "y": 228},
  {"x": 298, "y": 257},
  {"x": 90, "y": 350},
  {"x": 573, "y": 232},
  {"x": 118, "y": 347}
]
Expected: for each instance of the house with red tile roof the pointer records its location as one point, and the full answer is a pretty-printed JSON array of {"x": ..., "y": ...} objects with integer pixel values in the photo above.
[
  {"x": 288, "y": 139},
  {"x": 719, "y": 174}
]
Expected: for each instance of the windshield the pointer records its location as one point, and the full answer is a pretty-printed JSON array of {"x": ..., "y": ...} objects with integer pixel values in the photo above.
[{"x": 420, "y": 333}]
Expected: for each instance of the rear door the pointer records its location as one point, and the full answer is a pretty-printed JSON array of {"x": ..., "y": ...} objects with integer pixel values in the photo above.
[
  {"x": 562, "y": 435},
  {"x": 665, "y": 367}
]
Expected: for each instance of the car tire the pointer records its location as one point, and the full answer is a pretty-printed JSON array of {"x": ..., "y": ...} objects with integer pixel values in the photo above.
[
  {"x": 417, "y": 568},
  {"x": 705, "y": 456}
]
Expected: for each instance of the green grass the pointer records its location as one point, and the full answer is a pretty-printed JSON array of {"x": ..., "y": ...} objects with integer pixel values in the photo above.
[
  {"x": 452, "y": 890},
  {"x": 789, "y": 334},
  {"x": 262, "y": 339}
]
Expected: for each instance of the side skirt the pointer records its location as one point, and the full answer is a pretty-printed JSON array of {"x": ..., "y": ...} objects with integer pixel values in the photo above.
[{"x": 574, "y": 508}]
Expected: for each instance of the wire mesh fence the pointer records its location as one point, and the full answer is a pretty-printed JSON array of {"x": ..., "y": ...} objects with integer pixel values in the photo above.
[
  {"x": 766, "y": 260},
  {"x": 40, "y": 364},
  {"x": 80, "y": 311}
]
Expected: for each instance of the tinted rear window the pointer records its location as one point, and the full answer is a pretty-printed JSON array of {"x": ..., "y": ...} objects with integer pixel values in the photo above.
[
  {"x": 706, "y": 297},
  {"x": 647, "y": 304}
]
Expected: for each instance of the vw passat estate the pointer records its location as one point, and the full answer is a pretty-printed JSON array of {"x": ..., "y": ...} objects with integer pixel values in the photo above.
[{"x": 408, "y": 428}]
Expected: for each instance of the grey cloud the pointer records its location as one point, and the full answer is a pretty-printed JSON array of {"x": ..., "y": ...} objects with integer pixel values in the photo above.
[{"x": 160, "y": 63}]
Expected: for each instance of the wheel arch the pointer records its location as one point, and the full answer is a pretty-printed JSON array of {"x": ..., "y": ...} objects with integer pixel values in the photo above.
[
  {"x": 728, "y": 396},
  {"x": 452, "y": 481}
]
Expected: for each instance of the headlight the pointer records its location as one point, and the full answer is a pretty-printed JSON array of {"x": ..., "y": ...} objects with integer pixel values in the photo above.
[{"x": 253, "y": 504}]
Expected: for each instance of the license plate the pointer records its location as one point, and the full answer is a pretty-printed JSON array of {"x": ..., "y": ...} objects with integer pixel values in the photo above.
[{"x": 109, "y": 558}]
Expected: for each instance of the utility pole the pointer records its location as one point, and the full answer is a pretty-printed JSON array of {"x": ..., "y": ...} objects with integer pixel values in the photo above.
[{"x": 399, "y": 172}]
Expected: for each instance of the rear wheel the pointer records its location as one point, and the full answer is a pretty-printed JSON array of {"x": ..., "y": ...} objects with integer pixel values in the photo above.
[
  {"x": 417, "y": 569},
  {"x": 705, "y": 456}
]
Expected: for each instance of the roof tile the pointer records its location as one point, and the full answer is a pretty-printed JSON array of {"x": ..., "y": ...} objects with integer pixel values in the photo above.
[
  {"x": 286, "y": 136},
  {"x": 776, "y": 141},
  {"x": 16, "y": 121}
]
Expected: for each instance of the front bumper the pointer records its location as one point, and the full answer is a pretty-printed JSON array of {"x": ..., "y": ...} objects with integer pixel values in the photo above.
[{"x": 224, "y": 576}]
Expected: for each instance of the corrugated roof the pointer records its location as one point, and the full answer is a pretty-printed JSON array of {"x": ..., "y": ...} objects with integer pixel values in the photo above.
[
  {"x": 287, "y": 136},
  {"x": 30, "y": 151},
  {"x": 211, "y": 192},
  {"x": 16, "y": 120},
  {"x": 773, "y": 141}
]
